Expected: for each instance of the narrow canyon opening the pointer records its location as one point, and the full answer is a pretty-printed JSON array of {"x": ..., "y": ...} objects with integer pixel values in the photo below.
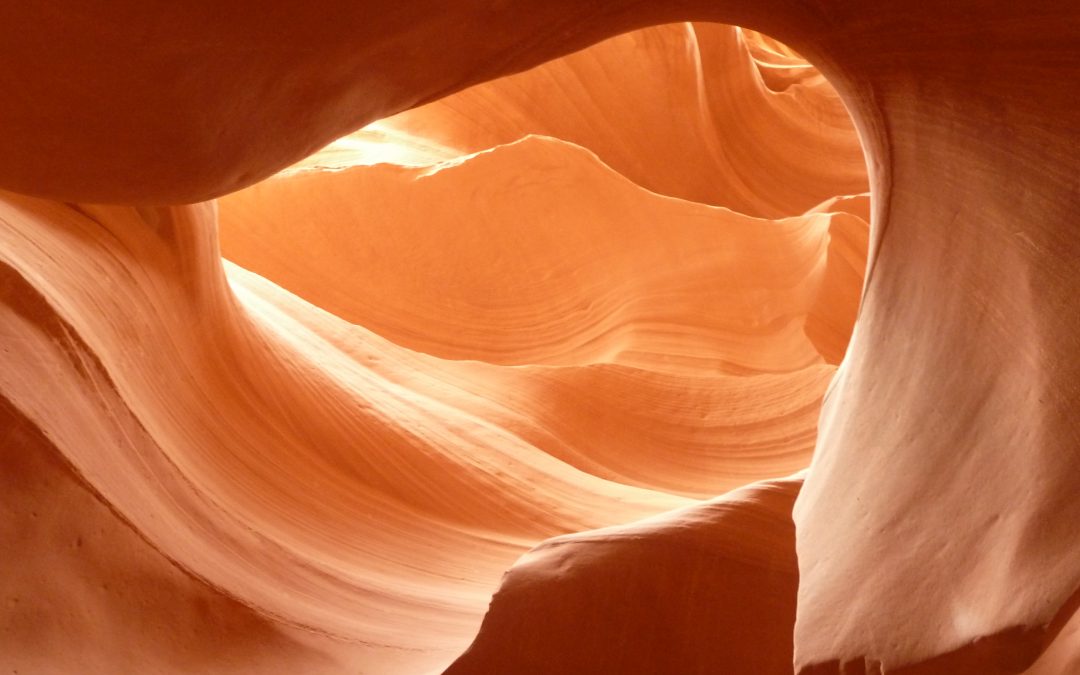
[
  {"x": 675, "y": 218},
  {"x": 647, "y": 254}
]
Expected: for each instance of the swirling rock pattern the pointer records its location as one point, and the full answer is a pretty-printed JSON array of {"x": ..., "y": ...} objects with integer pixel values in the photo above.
[{"x": 553, "y": 305}]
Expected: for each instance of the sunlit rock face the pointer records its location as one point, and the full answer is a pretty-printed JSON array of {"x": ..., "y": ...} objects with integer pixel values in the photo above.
[{"x": 529, "y": 378}]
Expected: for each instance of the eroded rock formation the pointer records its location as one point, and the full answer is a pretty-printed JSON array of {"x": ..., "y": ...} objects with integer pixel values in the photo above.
[{"x": 592, "y": 308}]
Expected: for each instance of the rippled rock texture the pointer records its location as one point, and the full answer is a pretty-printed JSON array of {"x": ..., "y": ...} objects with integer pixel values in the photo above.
[{"x": 549, "y": 374}]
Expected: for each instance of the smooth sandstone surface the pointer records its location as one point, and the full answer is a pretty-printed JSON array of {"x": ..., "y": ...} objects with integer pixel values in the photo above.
[
  {"x": 695, "y": 105},
  {"x": 530, "y": 310},
  {"x": 642, "y": 278},
  {"x": 706, "y": 589}
]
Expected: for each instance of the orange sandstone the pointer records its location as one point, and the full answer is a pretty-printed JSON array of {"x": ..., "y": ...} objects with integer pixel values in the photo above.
[{"x": 553, "y": 319}]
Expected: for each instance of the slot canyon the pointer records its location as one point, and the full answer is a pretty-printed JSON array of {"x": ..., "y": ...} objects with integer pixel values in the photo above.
[{"x": 540, "y": 338}]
